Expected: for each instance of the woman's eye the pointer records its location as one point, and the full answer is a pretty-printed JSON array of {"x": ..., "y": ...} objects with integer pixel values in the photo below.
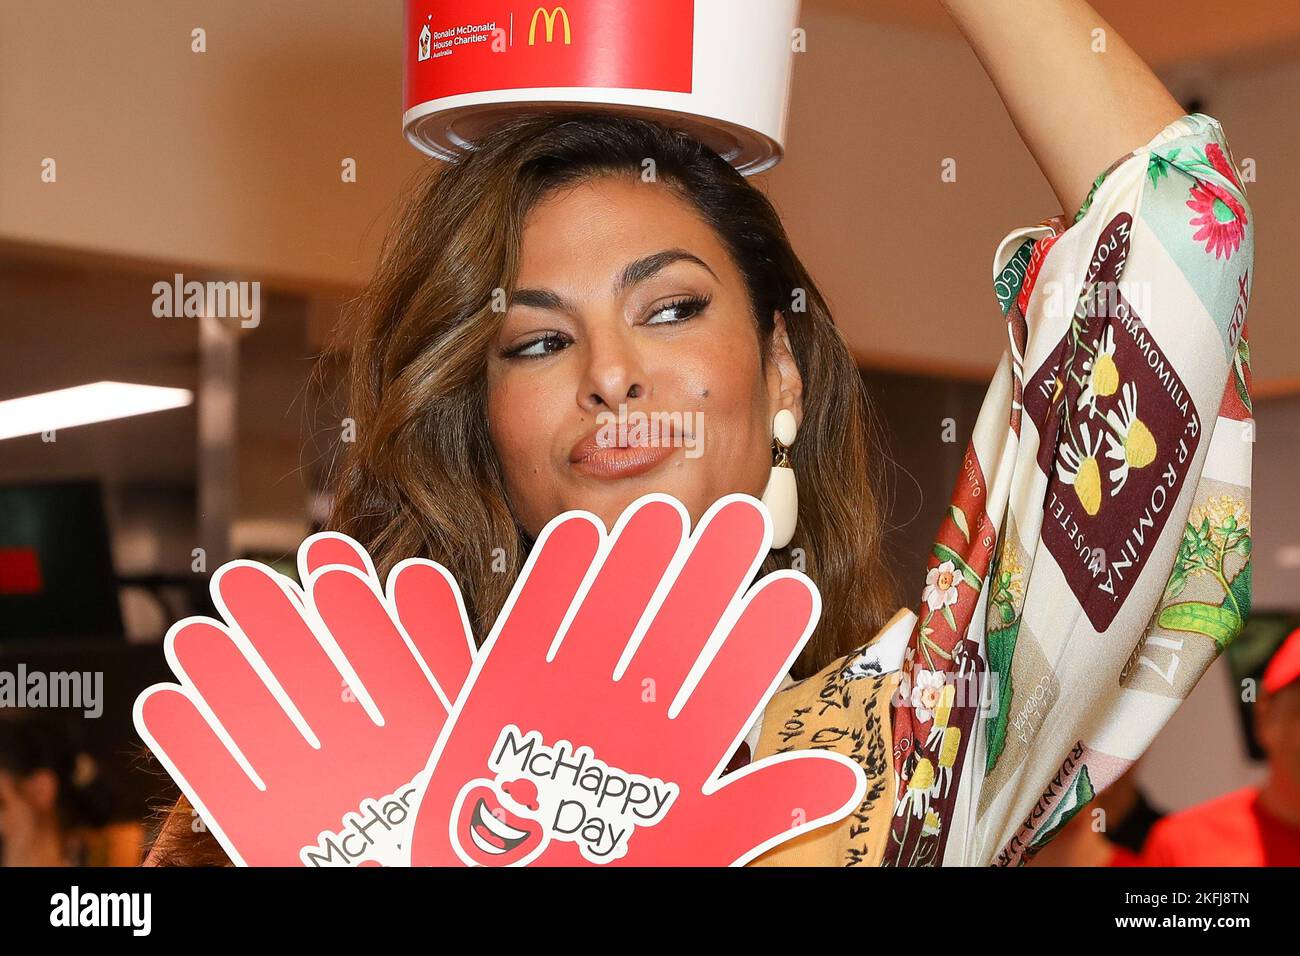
[
  {"x": 538, "y": 347},
  {"x": 678, "y": 311}
]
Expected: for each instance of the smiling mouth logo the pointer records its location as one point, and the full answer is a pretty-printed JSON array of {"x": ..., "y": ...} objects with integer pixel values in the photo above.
[{"x": 496, "y": 829}]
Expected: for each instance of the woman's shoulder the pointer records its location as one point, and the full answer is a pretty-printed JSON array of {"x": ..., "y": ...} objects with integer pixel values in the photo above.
[
  {"x": 1165, "y": 235},
  {"x": 1172, "y": 213},
  {"x": 833, "y": 705},
  {"x": 844, "y": 708},
  {"x": 1194, "y": 195},
  {"x": 1188, "y": 192},
  {"x": 1194, "y": 145}
]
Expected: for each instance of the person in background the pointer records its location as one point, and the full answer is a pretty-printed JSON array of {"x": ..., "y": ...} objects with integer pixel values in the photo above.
[
  {"x": 1131, "y": 817},
  {"x": 1255, "y": 826},
  {"x": 1112, "y": 840},
  {"x": 52, "y": 796}
]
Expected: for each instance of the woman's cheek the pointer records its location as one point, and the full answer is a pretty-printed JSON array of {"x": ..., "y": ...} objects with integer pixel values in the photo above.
[
  {"x": 725, "y": 391},
  {"x": 513, "y": 435}
]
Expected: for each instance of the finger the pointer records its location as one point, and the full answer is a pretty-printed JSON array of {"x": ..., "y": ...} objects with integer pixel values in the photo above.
[
  {"x": 780, "y": 798},
  {"x": 556, "y": 568},
  {"x": 775, "y": 621},
  {"x": 431, "y": 610},
  {"x": 640, "y": 550},
  {"x": 261, "y": 608},
  {"x": 427, "y": 600},
  {"x": 327, "y": 548},
  {"x": 358, "y": 619},
  {"x": 204, "y": 655},
  {"x": 195, "y": 758},
  {"x": 725, "y": 553}
]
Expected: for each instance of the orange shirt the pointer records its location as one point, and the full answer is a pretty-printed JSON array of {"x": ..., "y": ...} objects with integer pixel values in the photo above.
[
  {"x": 1232, "y": 830},
  {"x": 1123, "y": 856}
]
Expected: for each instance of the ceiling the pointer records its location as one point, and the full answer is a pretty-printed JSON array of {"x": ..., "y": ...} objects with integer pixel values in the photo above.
[{"x": 1163, "y": 31}]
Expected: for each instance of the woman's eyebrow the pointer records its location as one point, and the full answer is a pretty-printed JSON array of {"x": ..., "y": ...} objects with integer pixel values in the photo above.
[
  {"x": 636, "y": 271},
  {"x": 644, "y": 268}
]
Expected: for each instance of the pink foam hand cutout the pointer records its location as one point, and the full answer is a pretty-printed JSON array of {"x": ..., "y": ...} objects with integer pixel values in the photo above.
[
  {"x": 303, "y": 719},
  {"x": 620, "y": 677}
]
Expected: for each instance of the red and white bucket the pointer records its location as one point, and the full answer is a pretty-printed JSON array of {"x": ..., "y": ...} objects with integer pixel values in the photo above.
[{"x": 720, "y": 69}]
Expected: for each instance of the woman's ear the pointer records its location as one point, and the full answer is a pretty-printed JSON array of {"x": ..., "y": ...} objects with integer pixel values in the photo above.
[{"x": 784, "y": 383}]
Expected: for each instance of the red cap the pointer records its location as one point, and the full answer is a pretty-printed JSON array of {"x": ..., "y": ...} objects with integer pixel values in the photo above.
[{"x": 1284, "y": 667}]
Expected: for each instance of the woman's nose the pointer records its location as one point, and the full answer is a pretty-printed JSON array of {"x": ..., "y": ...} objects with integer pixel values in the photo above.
[{"x": 614, "y": 373}]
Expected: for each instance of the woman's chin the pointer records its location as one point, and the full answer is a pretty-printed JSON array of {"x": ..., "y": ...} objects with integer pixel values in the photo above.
[
  {"x": 609, "y": 499},
  {"x": 609, "y": 502}
]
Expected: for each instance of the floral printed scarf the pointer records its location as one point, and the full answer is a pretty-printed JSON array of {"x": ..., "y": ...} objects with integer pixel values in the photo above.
[{"x": 1095, "y": 558}]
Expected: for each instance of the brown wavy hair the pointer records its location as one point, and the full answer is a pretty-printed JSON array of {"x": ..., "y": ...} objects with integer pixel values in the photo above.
[{"x": 422, "y": 477}]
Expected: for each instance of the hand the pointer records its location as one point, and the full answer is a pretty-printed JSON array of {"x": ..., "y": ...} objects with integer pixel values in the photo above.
[
  {"x": 310, "y": 705},
  {"x": 649, "y": 688}
]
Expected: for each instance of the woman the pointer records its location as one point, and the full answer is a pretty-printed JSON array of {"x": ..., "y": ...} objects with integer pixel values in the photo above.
[{"x": 578, "y": 270}]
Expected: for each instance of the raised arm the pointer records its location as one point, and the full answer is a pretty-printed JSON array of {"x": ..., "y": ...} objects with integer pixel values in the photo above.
[{"x": 1077, "y": 109}]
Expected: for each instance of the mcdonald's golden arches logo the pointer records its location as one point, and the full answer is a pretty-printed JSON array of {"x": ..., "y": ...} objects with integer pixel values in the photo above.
[{"x": 550, "y": 18}]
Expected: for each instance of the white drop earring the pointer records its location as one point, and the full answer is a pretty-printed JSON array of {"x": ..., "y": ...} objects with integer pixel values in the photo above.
[{"x": 782, "y": 493}]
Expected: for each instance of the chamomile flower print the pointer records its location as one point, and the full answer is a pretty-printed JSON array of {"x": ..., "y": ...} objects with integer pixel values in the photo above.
[
  {"x": 916, "y": 799},
  {"x": 1100, "y": 372},
  {"x": 942, "y": 711},
  {"x": 1078, "y": 466},
  {"x": 1131, "y": 444},
  {"x": 949, "y": 746},
  {"x": 932, "y": 825}
]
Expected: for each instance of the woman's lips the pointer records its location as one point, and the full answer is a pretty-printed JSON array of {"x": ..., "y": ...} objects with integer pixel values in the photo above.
[
  {"x": 621, "y": 462},
  {"x": 591, "y": 458}
]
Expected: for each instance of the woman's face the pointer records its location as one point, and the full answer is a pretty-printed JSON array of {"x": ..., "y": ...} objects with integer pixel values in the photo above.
[{"x": 629, "y": 361}]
